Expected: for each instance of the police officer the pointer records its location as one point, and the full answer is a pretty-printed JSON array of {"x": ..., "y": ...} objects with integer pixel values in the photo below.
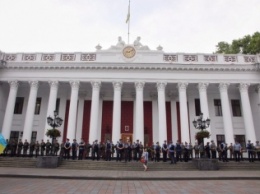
[
  {"x": 108, "y": 150},
  {"x": 186, "y": 152},
  {"x": 120, "y": 149},
  {"x": 249, "y": 148},
  {"x": 213, "y": 149},
  {"x": 32, "y": 147},
  {"x": 95, "y": 150},
  {"x": 81, "y": 149},
  {"x": 157, "y": 152},
  {"x": 25, "y": 147},
  {"x": 87, "y": 149},
  {"x": 74, "y": 149},
  {"x": 42, "y": 147},
  {"x": 171, "y": 148},
  {"x": 164, "y": 151},
  {"x": 127, "y": 151},
  {"x": 56, "y": 147},
  {"x": 178, "y": 151},
  {"x": 37, "y": 149},
  {"x": 67, "y": 147},
  {"x": 20, "y": 147},
  {"x": 137, "y": 150},
  {"x": 7, "y": 147},
  {"x": 48, "y": 147}
]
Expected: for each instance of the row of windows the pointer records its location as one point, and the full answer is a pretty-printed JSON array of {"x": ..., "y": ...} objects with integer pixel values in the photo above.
[
  {"x": 18, "y": 108},
  {"x": 236, "y": 109}
]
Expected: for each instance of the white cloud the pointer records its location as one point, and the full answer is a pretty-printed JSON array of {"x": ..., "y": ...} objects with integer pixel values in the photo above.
[{"x": 79, "y": 25}]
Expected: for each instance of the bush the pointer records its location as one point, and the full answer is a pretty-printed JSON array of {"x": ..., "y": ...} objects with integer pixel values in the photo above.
[
  {"x": 202, "y": 134},
  {"x": 53, "y": 133}
]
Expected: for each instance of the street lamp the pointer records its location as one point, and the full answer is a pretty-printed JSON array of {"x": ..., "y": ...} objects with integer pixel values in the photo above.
[
  {"x": 201, "y": 125},
  {"x": 54, "y": 122}
]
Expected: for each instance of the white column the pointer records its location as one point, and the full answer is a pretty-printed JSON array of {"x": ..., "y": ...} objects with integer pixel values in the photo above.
[
  {"x": 93, "y": 132},
  {"x": 162, "y": 112},
  {"x": 99, "y": 122},
  {"x": 9, "y": 112},
  {"x": 247, "y": 112},
  {"x": 174, "y": 126},
  {"x": 80, "y": 116},
  {"x": 204, "y": 107},
  {"x": 116, "y": 132},
  {"x": 139, "y": 116},
  {"x": 27, "y": 131},
  {"x": 71, "y": 130},
  {"x": 51, "y": 104},
  {"x": 155, "y": 117},
  {"x": 227, "y": 119},
  {"x": 184, "y": 112},
  {"x": 258, "y": 90}
]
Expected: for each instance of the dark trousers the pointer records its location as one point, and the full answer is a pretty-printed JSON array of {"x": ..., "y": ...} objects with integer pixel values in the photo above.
[
  {"x": 173, "y": 160},
  {"x": 186, "y": 156},
  {"x": 95, "y": 154},
  {"x": 157, "y": 156},
  {"x": 178, "y": 156},
  {"x": 214, "y": 153},
  {"x": 164, "y": 156},
  {"x": 74, "y": 154},
  {"x": 250, "y": 156},
  {"x": 108, "y": 155},
  {"x": 237, "y": 155},
  {"x": 119, "y": 155},
  {"x": 81, "y": 151},
  {"x": 67, "y": 153}
]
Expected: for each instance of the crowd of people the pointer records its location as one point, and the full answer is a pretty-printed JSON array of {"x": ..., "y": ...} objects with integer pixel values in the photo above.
[{"x": 127, "y": 151}]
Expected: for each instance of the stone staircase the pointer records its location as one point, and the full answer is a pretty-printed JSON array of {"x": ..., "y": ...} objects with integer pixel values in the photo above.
[
  {"x": 242, "y": 165},
  {"x": 18, "y": 162},
  {"x": 122, "y": 166}
]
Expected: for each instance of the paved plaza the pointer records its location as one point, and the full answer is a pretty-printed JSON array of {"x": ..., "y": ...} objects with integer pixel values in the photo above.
[{"x": 63, "y": 181}]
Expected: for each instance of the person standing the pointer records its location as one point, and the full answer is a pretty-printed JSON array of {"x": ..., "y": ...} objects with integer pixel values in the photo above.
[
  {"x": 25, "y": 147},
  {"x": 144, "y": 159},
  {"x": 42, "y": 147},
  {"x": 213, "y": 149},
  {"x": 207, "y": 150},
  {"x": 171, "y": 152},
  {"x": 249, "y": 148},
  {"x": 20, "y": 147},
  {"x": 178, "y": 151},
  {"x": 120, "y": 148},
  {"x": 157, "y": 152},
  {"x": 32, "y": 147},
  {"x": 48, "y": 147},
  {"x": 196, "y": 150},
  {"x": 7, "y": 147},
  {"x": 223, "y": 150},
  {"x": 257, "y": 149},
  {"x": 108, "y": 150},
  {"x": 164, "y": 150},
  {"x": 56, "y": 147},
  {"x": 186, "y": 152},
  {"x": 137, "y": 151},
  {"x": 237, "y": 150},
  {"x": 81, "y": 149},
  {"x": 74, "y": 149},
  {"x": 127, "y": 148},
  {"x": 87, "y": 149},
  {"x": 231, "y": 151},
  {"x": 37, "y": 149},
  {"x": 67, "y": 147},
  {"x": 95, "y": 150}
]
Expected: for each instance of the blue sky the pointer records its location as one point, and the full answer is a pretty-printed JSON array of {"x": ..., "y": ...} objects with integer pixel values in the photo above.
[{"x": 194, "y": 26}]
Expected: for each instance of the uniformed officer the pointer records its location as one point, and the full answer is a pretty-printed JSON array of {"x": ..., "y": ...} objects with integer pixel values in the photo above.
[
  {"x": 56, "y": 147},
  {"x": 178, "y": 151},
  {"x": 81, "y": 149},
  {"x": 157, "y": 152},
  {"x": 42, "y": 147},
  {"x": 32, "y": 147},
  {"x": 67, "y": 147},
  {"x": 137, "y": 151},
  {"x": 249, "y": 148},
  {"x": 87, "y": 149},
  {"x": 7, "y": 147},
  {"x": 223, "y": 150},
  {"x": 37, "y": 149},
  {"x": 186, "y": 152},
  {"x": 108, "y": 150},
  {"x": 207, "y": 150},
  {"x": 74, "y": 149},
  {"x": 25, "y": 147},
  {"x": 120, "y": 149},
  {"x": 20, "y": 147},
  {"x": 48, "y": 147},
  {"x": 127, "y": 151},
  {"x": 164, "y": 150},
  {"x": 171, "y": 148},
  {"x": 95, "y": 150}
]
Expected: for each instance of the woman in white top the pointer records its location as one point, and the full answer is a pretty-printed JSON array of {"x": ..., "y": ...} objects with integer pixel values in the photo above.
[{"x": 145, "y": 159}]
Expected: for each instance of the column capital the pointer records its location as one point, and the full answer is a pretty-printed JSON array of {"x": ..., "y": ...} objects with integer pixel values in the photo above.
[
  {"x": 74, "y": 84},
  {"x": 34, "y": 84},
  {"x": 96, "y": 84},
  {"x": 14, "y": 84},
  {"x": 182, "y": 85},
  {"x": 161, "y": 86},
  {"x": 53, "y": 84},
  {"x": 139, "y": 85},
  {"x": 203, "y": 86},
  {"x": 243, "y": 87},
  {"x": 223, "y": 87},
  {"x": 117, "y": 86}
]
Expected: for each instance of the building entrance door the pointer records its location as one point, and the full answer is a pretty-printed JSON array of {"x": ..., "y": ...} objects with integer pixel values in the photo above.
[{"x": 127, "y": 137}]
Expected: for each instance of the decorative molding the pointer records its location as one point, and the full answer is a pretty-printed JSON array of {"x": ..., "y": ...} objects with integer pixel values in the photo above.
[
  {"x": 230, "y": 58},
  {"x": 29, "y": 57},
  {"x": 190, "y": 58},
  {"x": 74, "y": 84},
  {"x": 203, "y": 86},
  {"x": 250, "y": 59},
  {"x": 223, "y": 87},
  {"x": 14, "y": 84},
  {"x": 68, "y": 57},
  {"x": 117, "y": 86},
  {"x": 10, "y": 57},
  {"x": 88, "y": 57},
  {"x": 161, "y": 86},
  {"x": 182, "y": 85},
  {"x": 211, "y": 58},
  {"x": 48, "y": 57},
  {"x": 170, "y": 58},
  {"x": 139, "y": 85},
  {"x": 53, "y": 84},
  {"x": 243, "y": 87},
  {"x": 96, "y": 85},
  {"x": 34, "y": 84}
]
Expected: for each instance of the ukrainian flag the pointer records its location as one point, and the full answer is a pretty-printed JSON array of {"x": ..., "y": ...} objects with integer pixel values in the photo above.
[{"x": 2, "y": 144}]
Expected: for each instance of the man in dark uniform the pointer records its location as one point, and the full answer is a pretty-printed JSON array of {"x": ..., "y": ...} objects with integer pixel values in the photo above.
[
  {"x": 223, "y": 150},
  {"x": 56, "y": 147},
  {"x": 95, "y": 150},
  {"x": 32, "y": 147},
  {"x": 7, "y": 147},
  {"x": 37, "y": 149},
  {"x": 127, "y": 151},
  {"x": 249, "y": 148},
  {"x": 25, "y": 147},
  {"x": 87, "y": 149},
  {"x": 186, "y": 152},
  {"x": 157, "y": 152},
  {"x": 207, "y": 150},
  {"x": 14, "y": 147},
  {"x": 120, "y": 148},
  {"x": 171, "y": 152},
  {"x": 42, "y": 147},
  {"x": 74, "y": 149},
  {"x": 178, "y": 151},
  {"x": 48, "y": 147},
  {"x": 164, "y": 151},
  {"x": 81, "y": 149},
  {"x": 108, "y": 150},
  {"x": 67, "y": 147},
  {"x": 137, "y": 151},
  {"x": 19, "y": 148}
]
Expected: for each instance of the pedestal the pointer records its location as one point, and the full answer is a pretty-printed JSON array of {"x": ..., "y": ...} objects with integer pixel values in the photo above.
[
  {"x": 206, "y": 164},
  {"x": 48, "y": 161}
]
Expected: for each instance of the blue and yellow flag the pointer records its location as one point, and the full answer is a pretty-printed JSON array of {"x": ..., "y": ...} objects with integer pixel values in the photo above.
[{"x": 2, "y": 144}]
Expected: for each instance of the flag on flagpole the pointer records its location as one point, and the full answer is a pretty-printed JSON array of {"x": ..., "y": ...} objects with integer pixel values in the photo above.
[
  {"x": 2, "y": 144},
  {"x": 128, "y": 14}
]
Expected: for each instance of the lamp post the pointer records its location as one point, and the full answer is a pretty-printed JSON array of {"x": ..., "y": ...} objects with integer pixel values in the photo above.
[
  {"x": 201, "y": 125},
  {"x": 54, "y": 122}
]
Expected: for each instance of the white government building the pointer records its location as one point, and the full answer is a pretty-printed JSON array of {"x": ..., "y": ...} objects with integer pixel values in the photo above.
[{"x": 130, "y": 91}]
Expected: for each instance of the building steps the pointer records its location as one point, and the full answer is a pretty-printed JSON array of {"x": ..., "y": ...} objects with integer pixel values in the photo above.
[{"x": 18, "y": 162}]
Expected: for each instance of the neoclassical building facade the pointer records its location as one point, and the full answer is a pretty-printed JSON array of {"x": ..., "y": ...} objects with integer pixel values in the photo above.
[{"x": 130, "y": 92}]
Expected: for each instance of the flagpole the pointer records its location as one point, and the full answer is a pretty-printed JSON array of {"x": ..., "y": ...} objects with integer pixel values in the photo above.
[{"x": 129, "y": 21}]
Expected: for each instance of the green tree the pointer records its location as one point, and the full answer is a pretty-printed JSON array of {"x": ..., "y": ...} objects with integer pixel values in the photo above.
[{"x": 247, "y": 45}]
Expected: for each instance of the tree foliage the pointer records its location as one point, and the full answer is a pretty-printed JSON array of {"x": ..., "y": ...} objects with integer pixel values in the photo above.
[{"x": 246, "y": 45}]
